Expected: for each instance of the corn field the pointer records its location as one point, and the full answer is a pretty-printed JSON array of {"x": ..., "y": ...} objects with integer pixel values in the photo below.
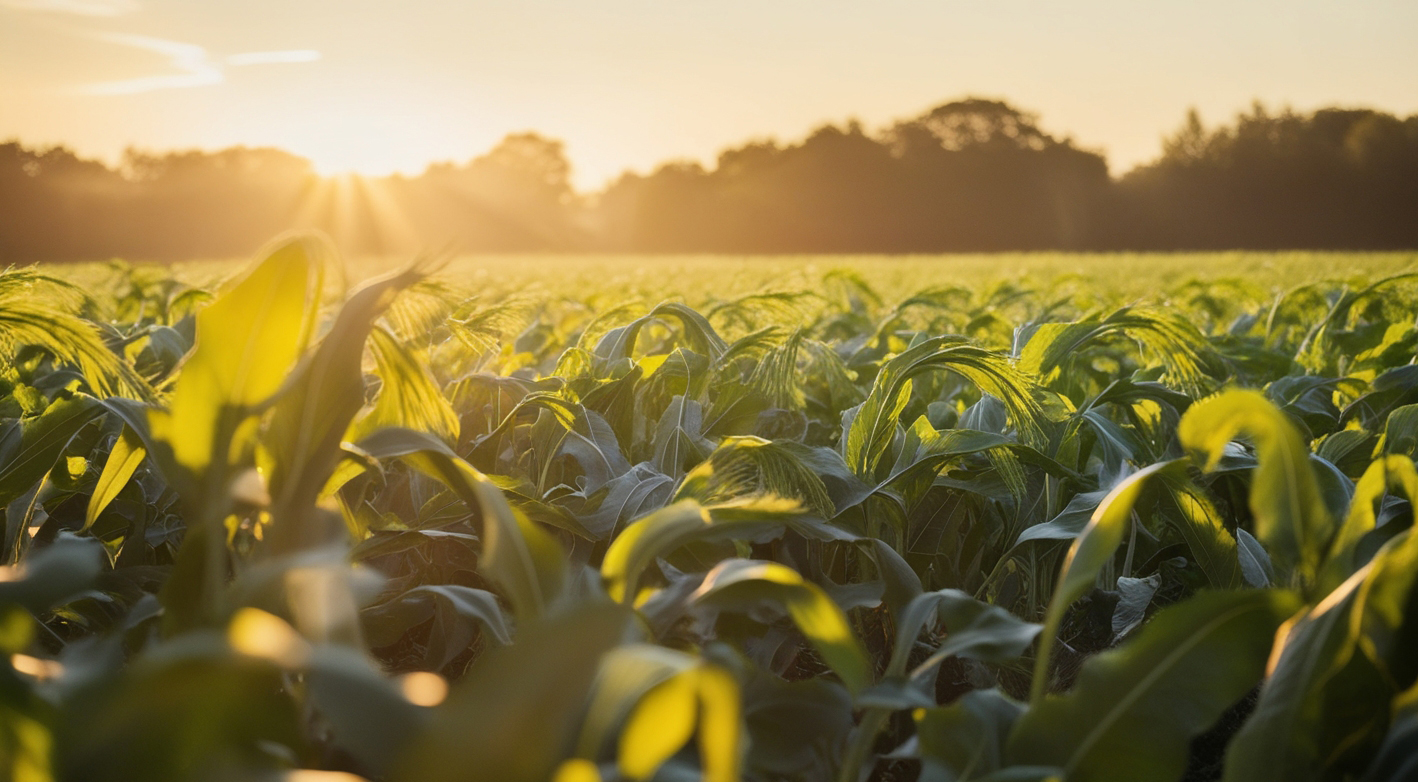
[{"x": 273, "y": 529}]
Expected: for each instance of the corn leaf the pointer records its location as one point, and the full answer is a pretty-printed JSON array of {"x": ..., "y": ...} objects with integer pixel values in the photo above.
[
  {"x": 736, "y": 581},
  {"x": 662, "y": 532},
  {"x": 1290, "y": 515},
  {"x": 248, "y": 340},
  {"x": 1093, "y": 548},
  {"x": 1135, "y": 709},
  {"x": 127, "y": 454},
  {"x": 514, "y": 717},
  {"x": 523, "y": 559}
]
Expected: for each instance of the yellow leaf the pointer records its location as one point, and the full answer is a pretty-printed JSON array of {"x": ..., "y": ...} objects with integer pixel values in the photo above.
[
  {"x": 661, "y": 724},
  {"x": 128, "y": 452},
  {"x": 247, "y": 341},
  {"x": 577, "y": 770},
  {"x": 1290, "y": 514},
  {"x": 719, "y": 728}
]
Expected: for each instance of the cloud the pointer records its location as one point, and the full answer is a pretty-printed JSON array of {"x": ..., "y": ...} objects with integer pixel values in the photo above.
[
  {"x": 80, "y": 7},
  {"x": 272, "y": 58},
  {"x": 196, "y": 67}
]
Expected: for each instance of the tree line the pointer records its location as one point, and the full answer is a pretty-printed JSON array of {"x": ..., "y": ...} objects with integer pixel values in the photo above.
[{"x": 969, "y": 175}]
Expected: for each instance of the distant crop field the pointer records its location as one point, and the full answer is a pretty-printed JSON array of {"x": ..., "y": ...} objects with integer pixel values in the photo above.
[
  {"x": 1111, "y": 276},
  {"x": 582, "y": 519}
]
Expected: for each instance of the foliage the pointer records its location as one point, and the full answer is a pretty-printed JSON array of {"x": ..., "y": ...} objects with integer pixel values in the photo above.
[
  {"x": 966, "y": 175},
  {"x": 278, "y": 531}
]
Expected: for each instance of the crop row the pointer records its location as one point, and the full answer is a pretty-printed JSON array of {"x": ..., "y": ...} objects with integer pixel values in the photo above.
[{"x": 271, "y": 531}]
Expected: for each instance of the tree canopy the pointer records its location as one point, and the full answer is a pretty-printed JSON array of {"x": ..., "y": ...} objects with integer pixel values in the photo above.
[{"x": 967, "y": 175}]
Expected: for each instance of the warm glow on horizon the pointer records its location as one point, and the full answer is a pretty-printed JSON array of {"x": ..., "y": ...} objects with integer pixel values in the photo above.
[
  {"x": 353, "y": 208},
  {"x": 627, "y": 84},
  {"x": 348, "y": 161}
]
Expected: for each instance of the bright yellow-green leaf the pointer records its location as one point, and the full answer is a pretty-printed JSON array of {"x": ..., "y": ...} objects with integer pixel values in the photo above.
[
  {"x": 665, "y": 718},
  {"x": 638, "y": 545},
  {"x": 1394, "y": 471},
  {"x": 667, "y": 529},
  {"x": 660, "y": 725},
  {"x": 577, "y": 770},
  {"x": 408, "y": 396},
  {"x": 1387, "y": 603},
  {"x": 128, "y": 452},
  {"x": 25, "y": 747},
  {"x": 16, "y": 629},
  {"x": 1290, "y": 515},
  {"x": 817, "y": 617},
  {"x": 247, "y": 342},
  {"x": 302, "y": 440},
  {"x": 719, "y": 725}
]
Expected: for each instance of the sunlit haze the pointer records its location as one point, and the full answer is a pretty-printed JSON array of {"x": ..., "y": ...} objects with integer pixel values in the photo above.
[{"x": 378, "y": 87}]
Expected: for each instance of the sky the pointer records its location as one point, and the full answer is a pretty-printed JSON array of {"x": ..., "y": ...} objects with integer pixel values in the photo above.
[{"x": 375, "y": 87}]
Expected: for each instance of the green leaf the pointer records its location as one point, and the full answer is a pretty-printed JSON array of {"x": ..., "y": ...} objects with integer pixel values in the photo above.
[
  {"x": 1255, "y": 563},
  {"x": 515, "y": 715},
  {"x": 739, "y": 581},
  {"x": 457, "y": 612},
  {"x": 408, "y": 396},
  {"x": 661, "y": 724},
  {"x": 874, "y": 425},
  {"x": 33, "y": 311},
  {"x": 367, "y": 716},
  {"x": 968, "y": 736},
  {"x": 1297, "y": 719},
  {"x": 28, "y": 454},
  {"x": 753, "y": 466},
  {"x": 1196, "y": 519},
  {"x": 1070, "y": 522},
  {"x": 666, "y": 530},
  {"x": 925, "y": 452},
  {"x": 1400, "y": 435},
  {"x": 619, "y": 343},
  {"x": 527, "y": 562},
  {"x": 1169, "y": 335},
  {"x": 1393, "y": 471},
  {"x": 127, "y": 454},
  {"x": 679, "y": 441},
  {"x": 975, "y": 630},
  {"x": 627, "y": 673},
  {"x": 1135, "y": 709},
  {"x": 1397, "y": 758},
  {"x": 1290, "y": 515},
  {"x": 1093, "y": 548},
  {"x": 303, "y": 439},
  {"x": 50, "y": 575}
]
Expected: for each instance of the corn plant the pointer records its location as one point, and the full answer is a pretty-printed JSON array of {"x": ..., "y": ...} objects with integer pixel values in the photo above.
[{"x": 418, "y": 531}]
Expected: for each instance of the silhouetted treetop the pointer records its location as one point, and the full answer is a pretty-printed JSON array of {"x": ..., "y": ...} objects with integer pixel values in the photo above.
[
  {"x": 1335, "y": 178},
  {"x": 972, "y": 122}
]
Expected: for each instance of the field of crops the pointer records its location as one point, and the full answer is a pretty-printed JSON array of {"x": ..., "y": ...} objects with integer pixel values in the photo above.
[{"x": 1021, "y": 517}]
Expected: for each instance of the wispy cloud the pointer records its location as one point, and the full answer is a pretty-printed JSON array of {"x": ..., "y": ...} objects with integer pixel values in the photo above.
[
  {"x": 194, "y": 64},
  {"x": 273, "y": 58},
  {"x": 80, "y": 7},
  {"x": 196, "y": 68}
]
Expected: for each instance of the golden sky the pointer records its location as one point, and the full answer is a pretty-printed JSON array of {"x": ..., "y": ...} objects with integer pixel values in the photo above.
[{"x": 376, "y": 86}]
